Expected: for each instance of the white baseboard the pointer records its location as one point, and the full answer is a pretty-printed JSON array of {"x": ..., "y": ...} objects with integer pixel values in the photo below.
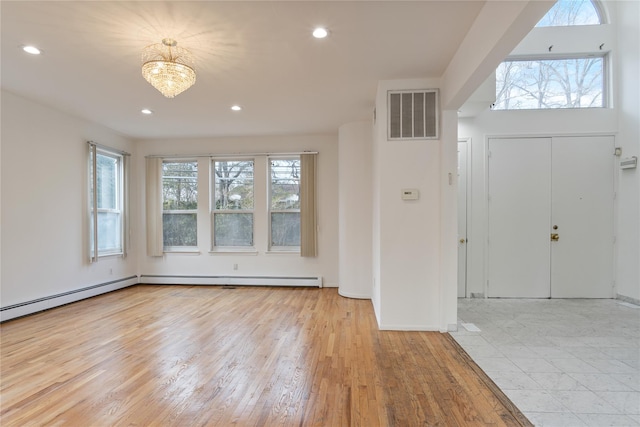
[
  {"x": 40, "y": 304},
  {"x": 419, "y": 328},
  {"x": 231, "y": 280},
  {"x": 628, "y": 299}
]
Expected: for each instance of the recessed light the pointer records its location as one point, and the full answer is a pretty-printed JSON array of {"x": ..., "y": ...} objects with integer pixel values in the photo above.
[
  {"x": 32, "y": 50},
  {"x": 146, "y": 111},
  {"x": 320, "y": 33},
  {"x": 236, "y": 108}
]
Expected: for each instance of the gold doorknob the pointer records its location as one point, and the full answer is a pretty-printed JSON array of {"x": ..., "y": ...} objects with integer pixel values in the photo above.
[
  {"x": 462, "y": 240},
  {"x": 555, "y": 237}
]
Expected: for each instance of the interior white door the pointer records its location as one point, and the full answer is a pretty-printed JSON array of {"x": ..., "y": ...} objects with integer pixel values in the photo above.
[
  {"x": 582, "y": 217},
  {"x": 519, "y": 200},
  {"x": 462, "y": 218}
]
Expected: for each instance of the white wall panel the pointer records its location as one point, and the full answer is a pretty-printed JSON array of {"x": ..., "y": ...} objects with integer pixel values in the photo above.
[{"x": 44, "y": 203}]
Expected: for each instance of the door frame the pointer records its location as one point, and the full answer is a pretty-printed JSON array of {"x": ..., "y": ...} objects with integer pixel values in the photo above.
[{"x": 468, "y": 199}]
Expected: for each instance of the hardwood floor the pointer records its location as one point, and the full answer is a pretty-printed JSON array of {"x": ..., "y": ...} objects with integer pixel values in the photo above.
[{"x": 248, "y": 356}]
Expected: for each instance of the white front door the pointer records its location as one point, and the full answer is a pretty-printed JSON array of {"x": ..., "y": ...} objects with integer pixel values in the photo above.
[
  {"x": 550, "y": 217},
  {"x": 582, "y": 217},
  {"x": 462, "y": 218},
  {"x": 519, "y": 205}
]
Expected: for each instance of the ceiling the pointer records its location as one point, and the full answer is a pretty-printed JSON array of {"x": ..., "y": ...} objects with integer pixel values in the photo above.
[{"x": 260, "y": 55}]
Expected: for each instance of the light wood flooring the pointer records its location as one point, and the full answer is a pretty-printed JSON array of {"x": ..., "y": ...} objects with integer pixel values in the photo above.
[{"x": 246, "y": 356}]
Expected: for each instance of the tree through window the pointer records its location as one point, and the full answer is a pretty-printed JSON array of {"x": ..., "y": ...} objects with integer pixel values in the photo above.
[
  {"x": 233, "y": 203},
  {"x": 550, "y": 83},
  {"x": 284, "y": 206},
  {"x": 571, "y": 12},
  {"x": 108, "y": 193},
  {"x": 179, "y": 203}
]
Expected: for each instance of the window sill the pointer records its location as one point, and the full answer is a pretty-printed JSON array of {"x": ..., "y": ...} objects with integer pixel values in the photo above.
[
  {"x": 283, "y": 252},
  {"x": 233, "y": 251},
  {"x": 182, "y": 252},
  {"x": 113, "y": 255}
]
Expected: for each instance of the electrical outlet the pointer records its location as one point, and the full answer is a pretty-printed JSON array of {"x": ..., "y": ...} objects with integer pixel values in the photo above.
[{"x": 235, "y": 266}]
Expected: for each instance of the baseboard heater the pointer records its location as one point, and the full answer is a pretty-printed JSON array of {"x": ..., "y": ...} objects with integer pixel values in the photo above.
[
  {"x": 231, "y": 280},
  {"x": 45, "y": 303}
]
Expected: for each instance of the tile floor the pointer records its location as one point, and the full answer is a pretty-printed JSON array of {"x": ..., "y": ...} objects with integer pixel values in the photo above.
[{"x": 564, "y": 362}]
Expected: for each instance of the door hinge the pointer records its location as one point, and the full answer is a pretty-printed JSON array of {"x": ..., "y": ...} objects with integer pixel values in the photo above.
[
  {"x": 489, "y": 154},
  {"x": 615, "y": 239}
]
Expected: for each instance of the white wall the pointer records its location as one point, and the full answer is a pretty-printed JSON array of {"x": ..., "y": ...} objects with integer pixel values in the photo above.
[
  {"x": 355, "y": 209},
  {"x": 407, "y": 233},
  {"x": 621, "y": 120},
  {"x": 628, "y": 251},
  {"x": 44, "y": 203},
  {"x": 205, "y": 263}
]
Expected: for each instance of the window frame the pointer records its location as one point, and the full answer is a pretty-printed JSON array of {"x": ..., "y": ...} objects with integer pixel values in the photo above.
[
  {"x": 121, "y": 204},
  {"x": 213, "y": 180},
  {"x": 271, "y": 210},
  {"x": 183, "y": 248}
]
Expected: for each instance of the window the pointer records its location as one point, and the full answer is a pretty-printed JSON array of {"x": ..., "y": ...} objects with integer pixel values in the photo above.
[
  {"x": 179, "y": 203},
  {"x": 550, "y": 83},
  {"x": 232, "y": 210},
  {"x": 284, "y": 203},
  {"x": 571, "y": 12},
  {"x": 106, "y": 197},
  {"x": 569, "y": 80}
]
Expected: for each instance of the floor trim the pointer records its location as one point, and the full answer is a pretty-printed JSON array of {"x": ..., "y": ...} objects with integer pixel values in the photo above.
[{"x": 499, "y": 394}]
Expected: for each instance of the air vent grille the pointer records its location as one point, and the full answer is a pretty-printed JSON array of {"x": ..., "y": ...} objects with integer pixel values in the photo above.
[{"x": 413, "y": 114}]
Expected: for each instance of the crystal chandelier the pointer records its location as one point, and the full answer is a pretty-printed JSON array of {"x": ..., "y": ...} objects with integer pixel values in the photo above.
[{"x": 168, "y": 68}]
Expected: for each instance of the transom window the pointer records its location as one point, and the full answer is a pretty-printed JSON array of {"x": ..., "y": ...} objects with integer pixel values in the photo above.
[
  {"x": 571, "y": 12},
  {"x": 550, "y": 83},
  {"x": 232, "y": 210}
]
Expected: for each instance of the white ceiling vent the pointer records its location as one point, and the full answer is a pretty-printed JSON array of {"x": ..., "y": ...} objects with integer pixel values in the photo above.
[{"x": 413, "y": 114}]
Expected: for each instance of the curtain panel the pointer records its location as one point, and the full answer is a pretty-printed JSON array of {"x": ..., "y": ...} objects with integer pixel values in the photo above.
[
  {"x": 308, "y": 208},
  {"x": 155, "y": 246}
]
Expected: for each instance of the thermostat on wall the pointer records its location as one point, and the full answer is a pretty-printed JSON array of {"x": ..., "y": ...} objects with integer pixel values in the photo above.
[{"x": 410, "y": 194}]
